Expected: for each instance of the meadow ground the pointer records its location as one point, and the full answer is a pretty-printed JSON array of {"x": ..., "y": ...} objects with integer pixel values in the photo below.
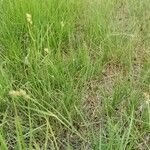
[{"x": 74, "y": 74}]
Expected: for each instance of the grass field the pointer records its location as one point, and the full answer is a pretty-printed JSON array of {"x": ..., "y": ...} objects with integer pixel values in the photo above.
[{"x": 74, "y": 74}]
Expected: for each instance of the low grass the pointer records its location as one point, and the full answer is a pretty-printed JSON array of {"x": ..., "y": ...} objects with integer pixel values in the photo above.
[{"x": 75, "y": 74}]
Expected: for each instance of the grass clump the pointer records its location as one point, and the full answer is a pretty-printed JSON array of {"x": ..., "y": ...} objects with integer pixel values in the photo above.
[{"x": 74, "y": 74}]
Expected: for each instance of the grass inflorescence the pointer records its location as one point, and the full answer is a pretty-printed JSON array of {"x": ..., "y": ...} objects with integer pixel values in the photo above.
[{"x": 75, "y": 74}]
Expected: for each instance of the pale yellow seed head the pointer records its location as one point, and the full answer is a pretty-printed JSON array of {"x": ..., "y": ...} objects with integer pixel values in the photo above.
[
  {"x": 14, "y": 93},
  {"x": 26, "y": 61},
  {"x": 147, "y": 97},
  {"x": 19, "y": 93},
  {"x": 22, "y": 92},
  {"x": 46, "y": 50},
  {"x": 29, "y": 18},
  {"x": 29, "y": 21},
  {"x": 26, "y": 97},
  {"x": 28, "y": 15}
]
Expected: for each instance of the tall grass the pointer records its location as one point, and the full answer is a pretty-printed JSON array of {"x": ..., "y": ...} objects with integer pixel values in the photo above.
[{"x": 74, "y": 74}]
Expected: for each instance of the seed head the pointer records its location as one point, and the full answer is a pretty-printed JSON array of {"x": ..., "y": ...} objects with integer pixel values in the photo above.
[
  {"x": 26, "y": 97},
  {"x": 46, "y": 50},
  {"x": 147, "y": 97},
  {"x": 19, "y": 93},
  {"x": 29, "y": 18},
  {"x": 22, "y": 92},
  {"x": 14, "y": 93},
  {"x": 26, "y": 60}
]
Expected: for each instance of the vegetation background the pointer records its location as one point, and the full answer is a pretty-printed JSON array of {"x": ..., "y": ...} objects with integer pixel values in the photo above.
[{"x": 75, "y": 74}]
